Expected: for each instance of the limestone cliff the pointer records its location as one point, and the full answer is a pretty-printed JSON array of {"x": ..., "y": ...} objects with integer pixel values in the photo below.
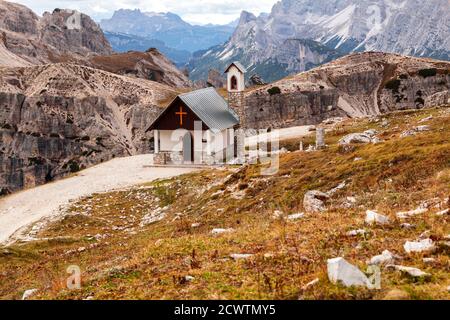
[
  {"x": 56, "y": 119},
  {"x": 360, "y": 84}
]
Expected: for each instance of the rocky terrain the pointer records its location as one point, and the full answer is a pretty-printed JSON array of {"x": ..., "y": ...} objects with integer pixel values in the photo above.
[
  {"x": 357, "y": 219},
  {"x": 300, "y": 34},
  {"x": 149, "y": 65},
  {"x": 58, "y": 118},
  {"x": 63, "y": 35},
  {"x": 357, "y": 85}
]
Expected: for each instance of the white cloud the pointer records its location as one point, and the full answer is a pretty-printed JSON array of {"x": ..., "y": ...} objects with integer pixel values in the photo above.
[{"x": 194, "y": 11}]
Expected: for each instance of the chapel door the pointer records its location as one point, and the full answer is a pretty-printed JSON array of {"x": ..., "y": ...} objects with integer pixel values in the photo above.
[{"x": 188, "y": 148}]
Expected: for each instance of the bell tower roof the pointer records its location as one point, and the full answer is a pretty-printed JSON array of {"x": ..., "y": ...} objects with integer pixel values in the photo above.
[{"x": 238, "y": 65}]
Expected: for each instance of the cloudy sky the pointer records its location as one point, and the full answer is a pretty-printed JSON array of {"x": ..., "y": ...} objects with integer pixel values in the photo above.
[{"x": 193, "y": 11}]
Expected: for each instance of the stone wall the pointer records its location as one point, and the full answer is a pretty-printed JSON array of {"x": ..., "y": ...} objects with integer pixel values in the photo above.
[{"x": 236, "y": 102}]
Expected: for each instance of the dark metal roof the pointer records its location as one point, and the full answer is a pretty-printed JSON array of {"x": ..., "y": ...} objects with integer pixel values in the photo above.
[
  {"x": 238, "y": 65},
  {"x": 210, "y": 107}
]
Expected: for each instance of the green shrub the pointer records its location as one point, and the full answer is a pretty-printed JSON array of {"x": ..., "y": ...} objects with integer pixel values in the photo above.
[
  {"x": 393, "y": 85},
  {"x": 274, "y": 90},
  {"x": 425, "y": 73}
]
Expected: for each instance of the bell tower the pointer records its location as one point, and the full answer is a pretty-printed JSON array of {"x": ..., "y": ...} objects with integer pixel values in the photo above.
[{"x": 235, "y": 87}]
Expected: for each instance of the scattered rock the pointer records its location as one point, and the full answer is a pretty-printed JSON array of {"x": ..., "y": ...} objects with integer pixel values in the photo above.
[
  {"x": 428, "y": 260},
  {"x": 386, "y": 257},
  {"x": 422, "y": 128},
  {"x": 355, "y": 138},
  {"x": 340, "y": 186},
  {"x": 222, "y": 231},
  {"x": 240, "y": 256},
  {"x": 357, "y": 232},
  {"x": 28, "y": 293},
  {"x": 419, "y": 246},
  {"x": 295, "y": 216},
  {"x": 407, "y": 225},
  {"x": 426, "y": 119},
  {"x": 443, "y": 212},
  {"x": 411, "y": 213},
  {"x": 189, "y": 278},
  {"x": 277, "y": 214},
  {"x": 410, "y": 271},
  {"x": 310, "y": 284},
  {"x": 256, "y": 80},
  {"x": 314, "y": 201},
  {"x": 396, "y": 294},
  {"x": 415, "y": 130},
  {"x": 195, "y": 225},
  {"x": 340, "y": 271},
  {"x": 373, "y": 217},
  {"x": 89, "y": 298},
  {"x": 153, "y": 217}
]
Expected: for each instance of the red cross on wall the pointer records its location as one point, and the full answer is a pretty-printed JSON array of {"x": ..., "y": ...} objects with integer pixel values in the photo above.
[{"x": 181, "y": 113}]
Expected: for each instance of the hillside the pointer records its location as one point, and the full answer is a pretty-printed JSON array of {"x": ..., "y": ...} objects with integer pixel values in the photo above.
[
  {"x": 155, "y": 241},
  {"x": 149, "y": 65},
  {"x": 298, "y": 35},
  {"x": 63, "y": 35},
  {"x": 361, "y": 84},
  {"x": 59, "y": 118}
]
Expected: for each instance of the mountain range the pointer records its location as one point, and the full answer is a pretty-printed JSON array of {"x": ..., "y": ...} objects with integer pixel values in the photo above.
[
  {"x": 133, "y": 29},
  {"x": 300, "y": 34}
]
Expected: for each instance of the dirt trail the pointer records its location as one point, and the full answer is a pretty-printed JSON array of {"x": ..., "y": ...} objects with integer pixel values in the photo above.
[{"x": 21, "y": 209}]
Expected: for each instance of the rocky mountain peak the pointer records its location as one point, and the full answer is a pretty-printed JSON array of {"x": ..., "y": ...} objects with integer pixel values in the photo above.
[{"x": 332, "y": 28}]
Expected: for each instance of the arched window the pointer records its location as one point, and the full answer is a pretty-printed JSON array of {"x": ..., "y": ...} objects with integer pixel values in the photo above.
[{"x": 233, "y": 83}]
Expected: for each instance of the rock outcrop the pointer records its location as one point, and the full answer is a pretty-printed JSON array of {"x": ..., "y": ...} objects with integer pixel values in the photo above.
[
  {"x": 149, "y": 65},
  {"x": 56, "y": 119},
  {"x": 357, "y": 85},
  {"x": 60, "y": 36}
]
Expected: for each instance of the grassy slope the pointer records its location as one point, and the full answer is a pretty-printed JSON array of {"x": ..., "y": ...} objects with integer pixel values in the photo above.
[{"x": 150, "y": 262}]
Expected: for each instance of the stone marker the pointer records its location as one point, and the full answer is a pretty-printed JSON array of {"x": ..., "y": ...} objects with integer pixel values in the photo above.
[{"x": 320, "y": 138}]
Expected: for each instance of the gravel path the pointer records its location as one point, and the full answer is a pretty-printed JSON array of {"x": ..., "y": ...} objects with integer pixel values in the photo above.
[{"x": 21, "y": 209}]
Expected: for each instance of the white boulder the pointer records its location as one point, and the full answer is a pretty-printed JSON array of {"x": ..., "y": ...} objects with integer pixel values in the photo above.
[
  {"x": 221, "y": 231},
  {"x": 413, "y": 272},
  {"x": 314, "y": 201},
  {"x": 373, "y": 217},
  {"x": 240, "y": 256},
  {"x": 28, "y": 293},
  {"x": 295, "y": 216},
  {"x": 355, "y": 138},
  {"x": 356, "y": 232},
  {"x": 340, "y": 271},
  {"x": 443, "y": 212},
  {"x": 419, "y": 246},
  {"x": 411, "y": 213},
  {"x": 386, "y": 257}
]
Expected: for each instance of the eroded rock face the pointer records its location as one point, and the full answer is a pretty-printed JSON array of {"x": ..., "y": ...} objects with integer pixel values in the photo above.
[
  {"x": 57, "y": 119},
  {"x": 63, "y": 35},
  {"x": 362, "y": 84}
]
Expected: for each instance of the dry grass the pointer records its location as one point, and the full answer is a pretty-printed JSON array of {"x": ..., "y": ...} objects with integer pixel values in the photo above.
[{"x": 122, "y": 260}]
